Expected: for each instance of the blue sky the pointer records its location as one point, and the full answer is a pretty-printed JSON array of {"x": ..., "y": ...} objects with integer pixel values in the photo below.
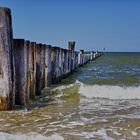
[{"x": 93, "y": 24}]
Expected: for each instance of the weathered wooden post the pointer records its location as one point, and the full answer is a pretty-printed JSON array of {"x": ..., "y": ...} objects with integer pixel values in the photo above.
[
  {"x": 53, "y": 61},
  {"x": 81, "y": 58},
  {"x": 62, "y": 63},
  {"x": 20, "y": 59},
  {"x": 69, "y": 61},
  {"x": 88, "y": 57},
  {"x": 32, "y": 65},
  {"x": 7, "y": 94},
  {"x": 71, "y": 47},
  {"x": 94, "y": 55},
  {"x": 58, "y": 70},
  {"x": 91, "y": 56},
  {"x": 42, "y": 62},
  {"x": 55, "y": 64},
  {"x": 76, "y": 59},
  {"x": 38, "y": 69},
  {"x": 84, "y": 58},
  {"x": 27, "y": 44},
  {"x": 48, "y": 66},
  {"x": 66, "y": 67}
]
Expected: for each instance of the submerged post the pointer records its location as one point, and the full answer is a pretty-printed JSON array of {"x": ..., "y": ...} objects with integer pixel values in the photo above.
[{"x": 6, "y": 60}]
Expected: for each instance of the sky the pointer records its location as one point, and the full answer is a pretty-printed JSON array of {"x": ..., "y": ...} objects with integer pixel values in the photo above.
[{"x": 93, "y": 24}]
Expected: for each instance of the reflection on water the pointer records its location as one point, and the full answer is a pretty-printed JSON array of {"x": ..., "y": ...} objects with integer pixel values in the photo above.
[{"x": 80, "y": 110}]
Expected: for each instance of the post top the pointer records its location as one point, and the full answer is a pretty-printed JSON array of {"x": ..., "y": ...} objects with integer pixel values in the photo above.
[
  {"x": 82, "y": 51},
  {"x": 19, "y": 39},
  {"x": 5, "y": 9},
  {"x": 55, "y": 47},
  {"x": 71, "y": 45},
  {"x": 48, "y": 45},
  {"x": 33, "y": 43},
  {"x": 39, "y": 44}
]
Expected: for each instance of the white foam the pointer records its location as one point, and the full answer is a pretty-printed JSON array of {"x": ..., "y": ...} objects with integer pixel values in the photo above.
[
  {"x": 95, "y": 134},
  {"x": 109, "y": 92},
  {"x": 66, "y": 86},
  {"x": 100, "y": 133},
  {"x": 103, "y": 91},
  {"x": 134, "y": 133},
  {"x": 31, "y": 136}
]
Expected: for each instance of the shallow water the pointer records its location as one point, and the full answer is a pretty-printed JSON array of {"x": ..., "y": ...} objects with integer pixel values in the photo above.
[{"x": 100, "y": 101}]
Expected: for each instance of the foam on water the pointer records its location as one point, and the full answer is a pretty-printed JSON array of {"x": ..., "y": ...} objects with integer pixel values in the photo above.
[
  {"x": 31, "y": 136},
  {"x": 100, "y": 133},
  {"x": 109, "y": 92},
  {"x": 103, "y": 91},
  {"x": 95, "y": 134},
  {"x": 66, "y": 86}
]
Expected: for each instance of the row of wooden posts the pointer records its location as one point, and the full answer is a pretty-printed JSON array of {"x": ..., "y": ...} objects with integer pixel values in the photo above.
[{"x": 27, "y": 67}]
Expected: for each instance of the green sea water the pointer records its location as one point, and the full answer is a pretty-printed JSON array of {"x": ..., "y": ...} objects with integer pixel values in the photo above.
[
  {"x": 99, "y": 101},
  {"x": 121, "y": 69}
]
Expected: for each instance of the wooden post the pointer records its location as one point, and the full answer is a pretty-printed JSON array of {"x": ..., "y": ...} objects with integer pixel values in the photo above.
[
  {"x": 76, "y": 57},
  {"x": 66, "y": 67},
  {"x": 27, "y": 95},
  {"x": 53, "y": 61},
  {"x": 91, "y": 56},
  {"x": 62, "y": 62},
  {"x": 71, "y": 47},
  {"x": 81, "y": 58},
  {"x": 74, "y": 61},
  {"x": 42, "y": 62},
  {"x": 20, "y": 52},
  {"x": 38, "y": 69},
  {"x": 58, "y": 70},
  {"x": 32, "y": 62},
  {"x": 69, "y": 61},
  {"x": 55, "y": 64},
  {"x": 48, "y": 66},
  {"x": 7, "y": 94}
]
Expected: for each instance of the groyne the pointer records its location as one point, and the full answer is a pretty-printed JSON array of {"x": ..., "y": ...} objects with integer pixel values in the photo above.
[{"x": 27, "y": 67}]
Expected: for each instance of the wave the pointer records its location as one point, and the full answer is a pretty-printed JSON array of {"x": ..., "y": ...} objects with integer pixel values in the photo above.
[
  {"x": 30, "y": 136},
  {"x": 109, "y": 92},
  {"x": 98, "y": 91}
]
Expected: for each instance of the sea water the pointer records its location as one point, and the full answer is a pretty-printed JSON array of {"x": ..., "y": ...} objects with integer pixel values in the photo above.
[{"x": 99, "y": 101}]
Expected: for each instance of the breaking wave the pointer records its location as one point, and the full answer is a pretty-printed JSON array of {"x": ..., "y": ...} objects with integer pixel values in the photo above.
[
  {"x": 99, "y": 91},
  {"x": 109, "y": 92}
]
